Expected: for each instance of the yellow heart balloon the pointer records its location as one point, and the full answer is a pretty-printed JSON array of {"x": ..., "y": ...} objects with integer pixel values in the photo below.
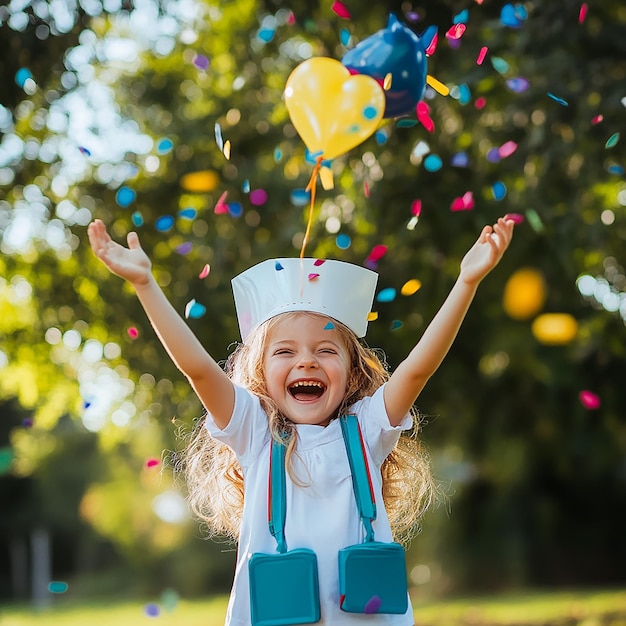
[{"x": 332, "y": 110}]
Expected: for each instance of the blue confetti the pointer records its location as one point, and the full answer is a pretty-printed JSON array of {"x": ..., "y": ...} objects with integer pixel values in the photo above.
[
  {"x": 498, "y": 189},
  {"x": 343, "y": 241},
  {"x": 344, "y": 36},
  {"x": 460, "y": 159},
  {"x": 300, "y": 197},
  {"x": 137, "y": 219},
  {"x": 235, "y": 209},
  {"x": 188, "y": 214},
  {"x": 329, "y": 326},
  {"x": 557, "y": 99},
  {"x": 164, "y": 146},
  {"x": 22, "y": 75},
  {"x": 125, "y": 196},
  {"x": 386, "y": 295},
  {"x": 432, "y": 163},
  {"x": 278, "y": 266},
  {"x": 164, "y": 223}
]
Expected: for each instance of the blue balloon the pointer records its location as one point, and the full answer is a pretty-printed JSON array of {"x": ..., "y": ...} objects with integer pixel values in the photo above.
[{"x": 398, "y": 51}]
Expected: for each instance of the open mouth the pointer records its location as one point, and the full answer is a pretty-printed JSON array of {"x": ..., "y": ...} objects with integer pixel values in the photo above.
[{"x": 306, "y": 390}]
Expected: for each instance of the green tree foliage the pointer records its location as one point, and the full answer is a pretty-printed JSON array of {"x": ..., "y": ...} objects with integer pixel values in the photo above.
[{"x": 536, "y": 478}]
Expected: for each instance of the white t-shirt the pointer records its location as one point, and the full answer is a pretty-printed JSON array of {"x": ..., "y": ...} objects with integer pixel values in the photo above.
[{"x": 322, "y": 516}]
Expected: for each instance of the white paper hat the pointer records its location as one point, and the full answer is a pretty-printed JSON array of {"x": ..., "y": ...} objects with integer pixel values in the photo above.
[{"x": 340, "y": 290}]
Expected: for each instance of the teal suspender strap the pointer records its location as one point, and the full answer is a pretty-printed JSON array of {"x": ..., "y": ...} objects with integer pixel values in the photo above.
[
  {"x": 276, "y": 504},
  {"x": 359, "y": 467}
]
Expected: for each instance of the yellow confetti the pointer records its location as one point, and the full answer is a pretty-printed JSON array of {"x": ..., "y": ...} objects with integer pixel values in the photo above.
[
  {"x": 410, "y": 287},
  {"x": 227, "y": 149},
  {"x": 438, "y": 86},
  {"x": 372, "y": 316},
  {"x": 387, "y": 82}
]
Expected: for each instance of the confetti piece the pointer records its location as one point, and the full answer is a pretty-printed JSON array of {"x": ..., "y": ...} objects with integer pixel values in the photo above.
[
  {"x": 377, "y": 253},
  {"x": 372, "y": 605},
  {"x": 205, "y": 271},
  {"x": 227, "y": 149},
  {"x": 184, "y": 248},
  {"x": 463, "y": 203},
  {"x": 201, "y": 61},
  {"x": 164, "y": 223},
  {"x": 300, "y": 197},
  {"x": 188, "y": 214},
  {"x": 278, "y": 154},
  {"x": 245, "y": 187},
  {"x": 125, "y": 196},
  {"x": 57, "y": 586},
  {"x": 597, "y": 119},
  {"x": 582, "y": 14},
  {"x": 319, "y": 262},
  {"x": 535, "y": 221},
  {"x": 557, "y": 99},
  {"x": 423, "y": 115},
  {"x": 516, "y": 218},
  {"x": 387, "y": 81},
  {"x": 221, "y": 207},
  {"x": 329, "y": 326},
  {"x": 518, "y": 84},
  {"x": 152, "y": 462},
  {"x": 395, "y": 325},
  {"x": 411, "y": 287},
  {"x": 278, "y": 266},
  {"x": 412, "y": 16},
  {"x": 366, "y": 189},
  {"x": 137, "y": 219},
  {"x": 438, "y": 86},
  {"x": 343, "y": 242},
  {"x": 313, "y": 276},
  {"x": 493, "y": 155},
  {"x": 386, "y": 295},
  {"x": 22, "y": 75},
  {"x": 235, "y": 209},
  {"x": 133, "y": 333},
  {"x": 461, "y": 18},
  {"x": 291, "y": 18},
  {"x": 416, "y": 207},
  {"x": 480, "y": 103},
  {"x": 589, "y": 399},
  {"x": 218, "y": 137},
  {"x": 612, "y": 140},
  {"x": 339, "y": 9},
  {"x": 460, "y": 159},
  {"x": 27, "y": 422},
  {"x": 344, "y": 36},
  {"x": 507, "y": 149},
  {"x": 513, "y": 16},
  {"x": 372, "y": 316},
  {"x": 465, "y": 95},
  {"x": 151, "y": 610},
  {"x": 456, "y": 31},
  {"x": 381, "y": 136},
  {"x": 258, "y": 197},
  {"x": 194, "y": 309},
  {"x": 164, "y": 146},
  {"x": 432, "y": 163},
  {"x": 406, "y": 123},
  {"x": 84, "y": 151},
  {"x": 481, "y": 55},
  {"x": 266, "y": 34},
  {"x": 412, "y": 223},
  {"x": 432, "y": 46},
  {"x": 500, "y": 65},
  {"x": 498, "y": 190}
]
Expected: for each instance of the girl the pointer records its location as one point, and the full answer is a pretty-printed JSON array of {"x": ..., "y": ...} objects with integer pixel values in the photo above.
[{"x": 291, "y": 377}]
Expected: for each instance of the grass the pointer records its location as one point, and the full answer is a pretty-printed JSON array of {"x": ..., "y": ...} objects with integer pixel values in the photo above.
[{"x": 584, "y": 608}]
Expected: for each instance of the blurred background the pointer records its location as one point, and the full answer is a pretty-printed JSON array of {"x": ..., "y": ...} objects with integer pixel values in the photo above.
[{"x": 168, "y": 118}]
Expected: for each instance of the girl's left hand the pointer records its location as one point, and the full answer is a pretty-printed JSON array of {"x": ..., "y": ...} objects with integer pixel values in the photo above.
[{"x": 486, "y": 253}]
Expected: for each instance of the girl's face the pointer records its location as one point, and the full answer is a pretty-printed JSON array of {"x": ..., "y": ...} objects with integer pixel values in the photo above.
[{"x": 306, "y": 368}]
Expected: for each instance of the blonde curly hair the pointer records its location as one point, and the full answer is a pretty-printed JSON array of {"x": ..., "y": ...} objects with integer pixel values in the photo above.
[{"x": 215, "y": 479}]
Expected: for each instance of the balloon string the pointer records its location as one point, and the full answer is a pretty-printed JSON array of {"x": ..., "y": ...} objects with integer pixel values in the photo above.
[{"x": 311, "y": 187}]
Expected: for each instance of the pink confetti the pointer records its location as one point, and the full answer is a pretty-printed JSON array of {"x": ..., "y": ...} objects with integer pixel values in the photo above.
[
  {"x": 480, "y": 103},
  {"x": 221, "y": 207},
  {"x": 507, "y": 149},
  {"x": 372, "y": 605},
  {"x": 583, "y": 12},
  {"x": 597, "y": 119},
  {"x": 432, "y": 46},
  {"x": 258, "y": 197},
  {"x": 416, "y": 207},
  {"x": 456, "y": 31},
  {"x": 152, "y": 462},
  {"x": 291, "y": 18},
  {"x": 313, "y": 276},
  {"x": 377, "y": 253},
  {"x": 589, "y": 399},
  {"x": 133, "y": 333},
  {"x": 319, "y": 262},
  {"x": 516, "y": 218},
  {"x": 463, "y": 203},
  {"x": 423, "y": 115},
  {"x": 481, "y": 55},
  {"x": 339, "y": 8},
  {"x": 366, "y": 189},
  {"x": 205, "y": 271}
]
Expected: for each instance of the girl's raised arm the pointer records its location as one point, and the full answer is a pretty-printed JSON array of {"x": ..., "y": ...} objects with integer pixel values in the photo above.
[
  {"x": 207, "y": 378},
  {"x": 411, "y": 376}
]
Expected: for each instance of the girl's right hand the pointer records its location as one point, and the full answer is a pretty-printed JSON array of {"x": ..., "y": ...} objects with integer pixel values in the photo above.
[{"x": 130, "y": 263}]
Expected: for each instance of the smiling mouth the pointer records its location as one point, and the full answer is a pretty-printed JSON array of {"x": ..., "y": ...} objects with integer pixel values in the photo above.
[{"x": 306, "y": 390}]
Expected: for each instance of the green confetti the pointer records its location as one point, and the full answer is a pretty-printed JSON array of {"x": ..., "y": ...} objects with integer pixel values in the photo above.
[{"x": 612, "y": 140}]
